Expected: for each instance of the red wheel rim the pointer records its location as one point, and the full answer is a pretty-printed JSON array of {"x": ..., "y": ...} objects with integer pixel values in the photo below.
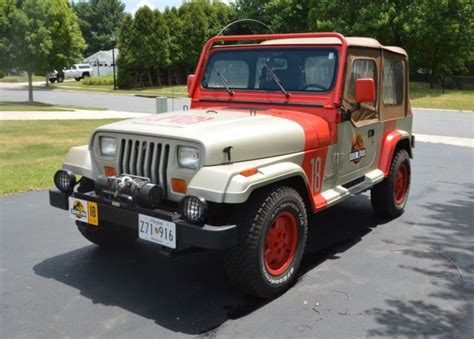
[
  {"x": 280, "y": 243},
  {"x": 401, "y": 184}
]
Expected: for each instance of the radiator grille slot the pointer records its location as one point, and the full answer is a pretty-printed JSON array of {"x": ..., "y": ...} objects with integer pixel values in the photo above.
[{"x": 145, "y": 158}]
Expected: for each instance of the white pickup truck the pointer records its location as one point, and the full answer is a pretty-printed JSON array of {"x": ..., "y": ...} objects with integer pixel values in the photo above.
[{"x": 77, "y": 71}]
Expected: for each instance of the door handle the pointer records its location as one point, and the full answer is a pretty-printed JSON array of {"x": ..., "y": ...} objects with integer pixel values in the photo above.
[{"x": 371, "y": 133}]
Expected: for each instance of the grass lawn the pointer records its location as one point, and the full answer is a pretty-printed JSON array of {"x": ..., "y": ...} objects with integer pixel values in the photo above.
[
  {"x": 423, "y": 96},
  {"x": 169, "y": 91},
  {"x": 39, "y": 106},
  {"x": 20, "y": 78},
  {"x": 31, "y": 151}
]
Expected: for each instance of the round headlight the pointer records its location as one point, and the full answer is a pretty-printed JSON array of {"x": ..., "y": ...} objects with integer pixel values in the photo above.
[
  {"x": 194, "y": 208},
  {"x": 65, "y": 181},
  {"x": 188, "y": 157},
  {"x": 108, "y": 146}
]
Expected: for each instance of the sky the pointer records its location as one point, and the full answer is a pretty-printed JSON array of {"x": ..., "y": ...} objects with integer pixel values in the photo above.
[{"x": 132, "y": 5}]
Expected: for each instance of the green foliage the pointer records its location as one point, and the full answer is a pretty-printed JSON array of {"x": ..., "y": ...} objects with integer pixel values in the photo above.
[
  {"x": 42, "y": 35},
  {"x": 99, "y": 20},
  {"x": 9, "y": 14},
  {"x": 103, "y": 80},
  {"x": 162, "y": 48},
  {"x": 438, "y": 34}
]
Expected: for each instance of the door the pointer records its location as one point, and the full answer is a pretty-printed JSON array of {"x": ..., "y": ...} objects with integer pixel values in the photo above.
[{"x": 359, "y": 137}]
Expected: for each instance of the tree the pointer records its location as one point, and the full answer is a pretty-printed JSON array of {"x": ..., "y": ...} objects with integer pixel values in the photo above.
[
  {"x": 126, "y": 64},
  {"x": 98, "y": 20},
  {"x": 162, "y": 45},
  {"x": 438, "y": 34},
  {"x": 46, "y": 36},
  {"x": 174, "y": 24},
  {"x": 444, "y": 38},
  {"x": 9, "y": 15}
]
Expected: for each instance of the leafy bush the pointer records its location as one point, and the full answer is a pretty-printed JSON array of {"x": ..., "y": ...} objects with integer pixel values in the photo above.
[{"x": 100, "y": 81}]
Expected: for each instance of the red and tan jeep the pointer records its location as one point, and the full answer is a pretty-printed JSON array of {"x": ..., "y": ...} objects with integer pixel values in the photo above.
[{"x": 279, "y": 128}]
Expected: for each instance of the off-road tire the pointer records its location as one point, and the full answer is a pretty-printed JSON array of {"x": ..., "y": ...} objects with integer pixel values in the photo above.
[
  {"x": 107, "y": 237},
  {"x": 52, "y": 81},
  {"x": 77, "y": 79},
  {"x": 383, "y": 195},
  {"x": 246, "y": 264}
]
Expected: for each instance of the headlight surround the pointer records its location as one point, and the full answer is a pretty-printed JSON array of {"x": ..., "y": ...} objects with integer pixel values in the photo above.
[
  {"x": 108, "y": 146},
  {"x": 188, "y": 157}
]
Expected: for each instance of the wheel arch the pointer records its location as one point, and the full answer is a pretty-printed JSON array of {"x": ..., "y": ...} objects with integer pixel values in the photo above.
[
  {"x": 397, "y": 139},
  {"x": 296, "y": 181}
]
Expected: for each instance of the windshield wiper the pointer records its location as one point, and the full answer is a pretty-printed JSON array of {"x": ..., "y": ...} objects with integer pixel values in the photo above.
[
  {"x": 225, "y": 83},
  {"x": 277, "y": 80}
]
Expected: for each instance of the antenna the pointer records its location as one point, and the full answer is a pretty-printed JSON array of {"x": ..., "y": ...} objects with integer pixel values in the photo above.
[{"x": 241, "y": 20}]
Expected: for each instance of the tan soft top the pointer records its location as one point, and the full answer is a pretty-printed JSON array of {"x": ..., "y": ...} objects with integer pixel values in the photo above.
[{"x": 351, "y": 41}]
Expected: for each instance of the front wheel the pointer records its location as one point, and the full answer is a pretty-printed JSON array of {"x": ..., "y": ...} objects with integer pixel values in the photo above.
[
  {"x": 272, "y": 238},
  {"x": 389, "y": 197}
]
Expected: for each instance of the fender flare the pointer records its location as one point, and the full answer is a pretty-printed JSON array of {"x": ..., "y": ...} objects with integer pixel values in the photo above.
[
  {"x": 389, "y": 144},
  {"x": 79, "y": 161},
  {"x": 233, "y": 188}
]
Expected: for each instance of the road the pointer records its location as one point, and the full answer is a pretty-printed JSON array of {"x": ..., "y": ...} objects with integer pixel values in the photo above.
[
  {"x": 116, "y": 102},
  {"x": 412, "y": 276},
  {"x": 433, "y": 122}
]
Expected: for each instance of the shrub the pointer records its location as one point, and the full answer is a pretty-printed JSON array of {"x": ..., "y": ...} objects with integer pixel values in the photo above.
[{"x": 104, "y": 80}]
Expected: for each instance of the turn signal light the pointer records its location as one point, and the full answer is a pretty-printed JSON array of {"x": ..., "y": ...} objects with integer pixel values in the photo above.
[
  {"x": 178, "y": 185},
  {"x": 110, "y": 171},
  {"x": 249, "y": 172}
]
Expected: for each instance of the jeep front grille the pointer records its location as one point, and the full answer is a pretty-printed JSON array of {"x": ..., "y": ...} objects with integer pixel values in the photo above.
[{"x": 145, "y": 158}]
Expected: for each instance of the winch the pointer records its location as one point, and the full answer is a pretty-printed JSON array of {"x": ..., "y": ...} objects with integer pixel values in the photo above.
[{"x": 129, "y": 189}]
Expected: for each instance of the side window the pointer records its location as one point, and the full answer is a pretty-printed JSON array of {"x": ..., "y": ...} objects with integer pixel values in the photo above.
[
  {"x": 392, "y": 87},
  {"x": 362, "y": 68}
]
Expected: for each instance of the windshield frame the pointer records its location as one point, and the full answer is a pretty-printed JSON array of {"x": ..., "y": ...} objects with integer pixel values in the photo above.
[{"x": 256, "y": 47}]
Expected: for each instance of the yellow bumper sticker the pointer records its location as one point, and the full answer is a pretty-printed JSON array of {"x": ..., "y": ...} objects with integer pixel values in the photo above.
[{"x": 83, "y": 210}]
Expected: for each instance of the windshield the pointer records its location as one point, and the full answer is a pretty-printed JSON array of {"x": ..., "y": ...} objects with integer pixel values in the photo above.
[{"x": 297, "y": 69}]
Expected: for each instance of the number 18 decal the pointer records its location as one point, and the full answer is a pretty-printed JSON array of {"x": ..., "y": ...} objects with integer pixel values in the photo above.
[{"x": 316, "y": 174}]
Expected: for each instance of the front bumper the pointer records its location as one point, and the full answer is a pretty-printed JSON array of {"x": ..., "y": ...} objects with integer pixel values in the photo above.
[{"x": 202, "y": 236}]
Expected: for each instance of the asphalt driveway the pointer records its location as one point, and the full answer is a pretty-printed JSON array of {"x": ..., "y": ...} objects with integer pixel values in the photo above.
[{"x": 412, "y": 276}]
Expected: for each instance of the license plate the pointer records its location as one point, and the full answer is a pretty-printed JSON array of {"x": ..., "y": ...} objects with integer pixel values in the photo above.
[
  {"x": 157, "y": 230},
  {"x": 83, "y": 210}
]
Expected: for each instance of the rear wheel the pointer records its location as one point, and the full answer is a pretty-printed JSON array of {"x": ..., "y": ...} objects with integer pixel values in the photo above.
[
  {"x": 272, "y": 237},
  {"x": 107, "y": 237},
  {"x": 390, "y": 196}
]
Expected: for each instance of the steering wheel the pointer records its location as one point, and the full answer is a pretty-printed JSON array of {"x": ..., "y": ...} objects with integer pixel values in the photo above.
[{"x": 318, "y": 86}]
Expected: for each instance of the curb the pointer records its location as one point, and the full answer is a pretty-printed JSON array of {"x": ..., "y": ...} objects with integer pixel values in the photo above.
[{"x": 442, "y": 109}]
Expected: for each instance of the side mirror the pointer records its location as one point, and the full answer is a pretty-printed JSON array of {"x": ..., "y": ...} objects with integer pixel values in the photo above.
[
  {"x": 364, "y": 90},
  {"x": 190, "y": 83}
]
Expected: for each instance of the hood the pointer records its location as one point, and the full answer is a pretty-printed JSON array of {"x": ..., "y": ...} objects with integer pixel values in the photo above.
[{"x": 251, "y": 136}]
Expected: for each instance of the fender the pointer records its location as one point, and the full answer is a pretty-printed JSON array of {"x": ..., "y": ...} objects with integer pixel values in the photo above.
[
  {"x": 225, "y": 184},
  {"x": 79, "y": 161},
  {"x": 389, "y": 143}
]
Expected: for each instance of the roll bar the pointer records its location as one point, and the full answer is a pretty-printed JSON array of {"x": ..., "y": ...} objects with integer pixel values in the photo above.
[{"x": 261, "y": 37}]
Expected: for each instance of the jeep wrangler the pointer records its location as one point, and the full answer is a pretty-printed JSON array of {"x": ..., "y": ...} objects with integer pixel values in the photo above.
[{"x": 280, "y": 126}]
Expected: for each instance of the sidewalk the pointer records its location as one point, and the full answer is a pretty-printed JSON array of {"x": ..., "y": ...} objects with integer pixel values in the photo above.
[{"x": 74, "y": 115}]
